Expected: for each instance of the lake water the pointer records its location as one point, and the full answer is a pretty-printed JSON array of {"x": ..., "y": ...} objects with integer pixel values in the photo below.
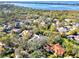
[{"x": 48, "y": 6}]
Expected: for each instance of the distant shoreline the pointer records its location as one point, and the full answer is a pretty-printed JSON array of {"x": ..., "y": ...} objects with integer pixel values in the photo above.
[
  {"x": 73, "y": 3},
  {"x": 46, "y": 5}
]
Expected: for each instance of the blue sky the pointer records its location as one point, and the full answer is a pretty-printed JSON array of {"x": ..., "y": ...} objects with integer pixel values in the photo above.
[{"x": 39, "y": 0}]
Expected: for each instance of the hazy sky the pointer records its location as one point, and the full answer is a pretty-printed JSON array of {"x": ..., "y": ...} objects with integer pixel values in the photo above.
[{"x": 39, "y": 0}]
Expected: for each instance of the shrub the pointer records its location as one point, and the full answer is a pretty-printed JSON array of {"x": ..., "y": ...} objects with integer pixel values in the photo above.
[{"x": 37, "y": 54}]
